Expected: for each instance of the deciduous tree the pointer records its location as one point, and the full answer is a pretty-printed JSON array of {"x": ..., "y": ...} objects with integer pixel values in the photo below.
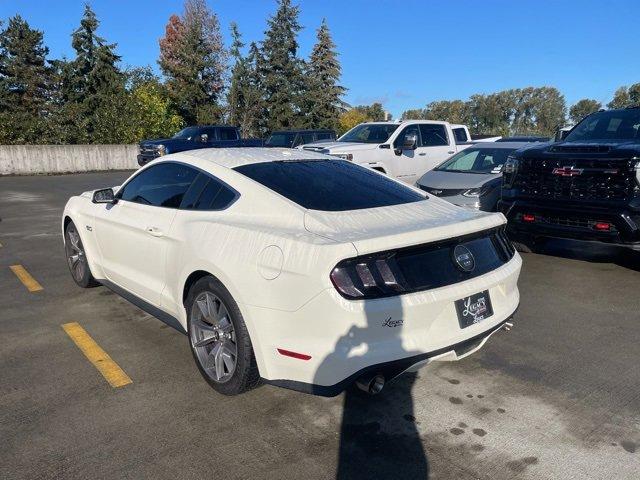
[
  {"x": 193, "y": 59},
  {"x": 582, "y": 108}
]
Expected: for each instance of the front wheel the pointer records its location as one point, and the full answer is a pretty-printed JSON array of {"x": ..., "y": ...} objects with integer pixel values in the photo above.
[
  {"x": 219, "y": 338},
  {"x": 77, "y": 258}
]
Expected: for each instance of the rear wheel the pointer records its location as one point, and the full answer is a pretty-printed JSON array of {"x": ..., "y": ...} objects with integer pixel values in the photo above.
[
  {"x": 219, "y": 338},
  {"x": 77, "y": 258}
]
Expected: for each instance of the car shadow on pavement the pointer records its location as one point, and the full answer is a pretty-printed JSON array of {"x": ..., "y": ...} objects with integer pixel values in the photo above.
[
  {"x": 379, "y": 437},
  {"x": 591, "y": 252}
]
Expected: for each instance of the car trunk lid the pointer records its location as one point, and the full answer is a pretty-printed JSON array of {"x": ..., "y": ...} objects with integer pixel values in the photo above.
[{"x": 385, "y": 228}]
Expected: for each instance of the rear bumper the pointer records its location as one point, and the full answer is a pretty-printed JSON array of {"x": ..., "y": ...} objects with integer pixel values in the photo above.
[
  {"x": 392, "y": 369},
  {"x": 346, "y": 339},
  {"x": 557, "y": 221}
]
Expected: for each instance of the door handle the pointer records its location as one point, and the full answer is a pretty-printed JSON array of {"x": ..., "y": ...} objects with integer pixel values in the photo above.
[
  {"x": 422, "y": 154},
  {"x": 154, "y": 232},
  {"x": 451, "y": 152}
]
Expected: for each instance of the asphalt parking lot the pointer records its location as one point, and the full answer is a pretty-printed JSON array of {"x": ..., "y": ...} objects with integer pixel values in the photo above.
[{"x": 557, "y": 397}]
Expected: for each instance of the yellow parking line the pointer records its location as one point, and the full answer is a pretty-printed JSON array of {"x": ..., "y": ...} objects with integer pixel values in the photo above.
[
  {"x": 26, "y": 278},
  {"x": 96, "y": 355}
]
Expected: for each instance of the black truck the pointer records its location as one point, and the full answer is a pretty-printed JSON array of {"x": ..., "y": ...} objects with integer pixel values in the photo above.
[
  {"x": 191, "y": 138},
  {"x": 586, "y": 187}
]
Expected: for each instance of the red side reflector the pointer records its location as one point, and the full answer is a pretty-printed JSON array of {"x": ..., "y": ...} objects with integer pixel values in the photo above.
[
  {"x": 602, "y": 226},
  {"x": 299, "y": 356},
  {"x": 527, "y": 217}
]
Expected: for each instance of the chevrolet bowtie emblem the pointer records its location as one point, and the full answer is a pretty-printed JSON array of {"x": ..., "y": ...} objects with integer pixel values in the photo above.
[{"x": 567, "y": 171}]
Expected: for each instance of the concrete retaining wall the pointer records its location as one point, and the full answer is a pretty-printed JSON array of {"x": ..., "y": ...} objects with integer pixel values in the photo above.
[{"x": 38, "y": 159}]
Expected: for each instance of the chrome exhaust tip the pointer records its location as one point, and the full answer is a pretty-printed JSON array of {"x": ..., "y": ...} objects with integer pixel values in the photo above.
[
  {"x": 371, "y": 384},
  {"x": 507, "y": 326}
]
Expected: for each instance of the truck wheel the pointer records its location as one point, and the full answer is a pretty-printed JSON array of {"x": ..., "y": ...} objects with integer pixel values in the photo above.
[{"x": 219, "y": 338}]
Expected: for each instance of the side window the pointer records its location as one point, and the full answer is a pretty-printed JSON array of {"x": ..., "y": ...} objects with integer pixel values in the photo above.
[
  {"x": 210, "y": 132},
  {"x": 324, "y": 136},
  {"x": 410, "y": 130},
  {"x": 211, "y": 195},
  {"x": 306, "y": 138},
  {"x": 191, "y": 197},
  {"x": 228, "y": 133},
  {"x": 460, "y": 135},
  {"x": 433, "y": 135},
  {"x": 162, "y": 185}
]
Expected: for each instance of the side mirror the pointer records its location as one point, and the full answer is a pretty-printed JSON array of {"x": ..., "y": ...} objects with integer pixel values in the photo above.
[
  {"x": 104, "y": 195},
  {"x": 204, "y": 138},
  {"x": 410, "y": 142}
]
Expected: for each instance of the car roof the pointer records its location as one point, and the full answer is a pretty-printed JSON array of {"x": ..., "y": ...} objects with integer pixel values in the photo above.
[
  {"x": 494, "y": 145},
  {"x": 303, "y": 130},
  {"x": 235, "y": 157},
  {"x": 525, "y": 138}
]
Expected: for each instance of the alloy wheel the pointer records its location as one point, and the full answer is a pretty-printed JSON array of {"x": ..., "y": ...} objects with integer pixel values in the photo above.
[
  {"x": 75, "y": 254},
  {"x": 213, "y": 337}
]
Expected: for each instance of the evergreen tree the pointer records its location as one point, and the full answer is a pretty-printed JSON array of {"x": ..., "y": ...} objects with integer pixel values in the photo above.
[
  {"x": 235, "y": 95},
  {"x": 193, "y": 58},
  {"x": 280, "y": 69},
  {"x": 24, "y": 83},
  {"x": 92, "y": 92},
  {"x": 323, "y": 96}
]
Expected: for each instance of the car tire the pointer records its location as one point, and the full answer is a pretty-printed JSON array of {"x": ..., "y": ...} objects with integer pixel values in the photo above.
[
  {"x": 219, "y": 338},
  {"x": 77, "y": 258}
]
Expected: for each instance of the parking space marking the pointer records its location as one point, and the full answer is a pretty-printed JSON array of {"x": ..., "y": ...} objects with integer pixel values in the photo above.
[
  {"x": 26, "y": 278},
  {"x": 109, "y": 369}
]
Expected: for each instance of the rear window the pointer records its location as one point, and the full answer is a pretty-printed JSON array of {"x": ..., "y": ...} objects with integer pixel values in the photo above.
[
  {"x": 330, "y": 185},
  {"x": 461, "y": 135}
]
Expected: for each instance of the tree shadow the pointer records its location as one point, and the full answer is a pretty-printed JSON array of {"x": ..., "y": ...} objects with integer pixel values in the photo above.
[{"x": 379, "y": 437}]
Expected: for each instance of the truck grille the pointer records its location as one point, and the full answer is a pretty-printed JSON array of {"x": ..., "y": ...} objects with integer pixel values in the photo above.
[
  {"x": 575, "y": 179},
  {"x": 148, "y": 150}
]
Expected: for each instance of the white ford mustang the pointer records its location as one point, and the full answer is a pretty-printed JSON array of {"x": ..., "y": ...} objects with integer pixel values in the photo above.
[{"x": 296, "y": 268}]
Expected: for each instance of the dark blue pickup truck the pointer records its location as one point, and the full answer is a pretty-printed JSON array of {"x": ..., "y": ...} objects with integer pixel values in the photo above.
[{"x": 192, "y": 138}]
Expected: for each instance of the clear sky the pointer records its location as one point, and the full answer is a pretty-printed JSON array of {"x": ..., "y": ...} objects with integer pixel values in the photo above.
[{"x": 403, "y": 53}]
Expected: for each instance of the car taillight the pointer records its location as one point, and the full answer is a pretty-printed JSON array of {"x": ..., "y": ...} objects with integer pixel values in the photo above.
[{"x": 369, "y": 277}]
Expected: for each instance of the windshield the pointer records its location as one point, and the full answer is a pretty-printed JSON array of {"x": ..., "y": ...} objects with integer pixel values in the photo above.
[
  {"x": 477, "y": 160},
  {"x": 330, "y": 185},
  {"x": 187, "y": 133},
  {"x": 280, "y": 139},
  {"x": 610, "y": 125},
  {"x": 369, "y": 133}
]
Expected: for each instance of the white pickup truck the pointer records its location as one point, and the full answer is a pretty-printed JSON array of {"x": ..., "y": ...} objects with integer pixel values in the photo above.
[{"x": 404, "y": 150}]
